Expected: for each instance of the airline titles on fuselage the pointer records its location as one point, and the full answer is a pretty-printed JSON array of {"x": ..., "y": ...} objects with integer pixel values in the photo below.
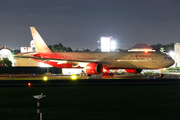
[
  {"x": 143, "y": 56},
  {"x": 136, "y": 57}
]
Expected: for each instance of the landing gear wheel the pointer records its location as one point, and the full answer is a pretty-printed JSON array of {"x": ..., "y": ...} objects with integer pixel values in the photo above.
[
  {"x": 111, "y": 74},
  {"x": 161, "y": 75},
  {"x": 103, "y": 74},
  {"x": 81, "y": 74},
  {"x": 107, "y": 74}
]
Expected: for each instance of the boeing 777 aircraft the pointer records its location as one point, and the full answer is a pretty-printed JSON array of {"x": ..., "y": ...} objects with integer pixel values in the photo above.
[{"x": 95, "y": 62}]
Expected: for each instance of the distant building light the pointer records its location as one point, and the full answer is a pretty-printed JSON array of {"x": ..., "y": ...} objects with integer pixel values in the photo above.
[
  {"x": 113, "y": 45},
  {"x": 32, "y": 48},
  {"x": 172, "y": 54},
  {"x": 105, "y": 44}
]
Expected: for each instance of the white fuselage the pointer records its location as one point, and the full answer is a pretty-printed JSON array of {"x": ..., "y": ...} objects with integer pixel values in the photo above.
[{"x": 120, "y": 60}]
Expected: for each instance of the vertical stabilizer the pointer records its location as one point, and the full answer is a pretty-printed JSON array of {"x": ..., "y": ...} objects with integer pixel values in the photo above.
[{"x": 39, "y": 42}]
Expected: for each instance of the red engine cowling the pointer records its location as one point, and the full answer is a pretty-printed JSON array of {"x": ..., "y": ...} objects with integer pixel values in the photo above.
[
  {"x": 133, "y": 70},
  {"x": 94, "y": 68}
]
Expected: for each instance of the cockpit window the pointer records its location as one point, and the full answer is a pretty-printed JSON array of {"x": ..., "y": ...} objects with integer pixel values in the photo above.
[{"x": 167, "y": 58}]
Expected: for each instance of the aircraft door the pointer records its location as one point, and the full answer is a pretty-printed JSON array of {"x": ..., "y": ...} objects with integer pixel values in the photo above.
[{"x": 130, "y": 59}]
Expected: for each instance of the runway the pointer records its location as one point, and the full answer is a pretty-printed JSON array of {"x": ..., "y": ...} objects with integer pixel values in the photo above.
[{"x": 66, "y": 81}]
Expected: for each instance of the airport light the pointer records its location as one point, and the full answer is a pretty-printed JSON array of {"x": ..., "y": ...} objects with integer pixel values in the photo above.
[
  {"x": 146, "y": 51},
  {"x": 113, "y": 45},
  {"x": 108, "y": 44},
  {"x": 38, "y": 97},
  {"x": 172, "y": 54},
  {"x": 45, "y": 78},
  {"x": 105, "y": 44},
  {"x": 10, "y": 57},
  {"x": 29, "y": 84},
  {"x": 73, "y": 77}
]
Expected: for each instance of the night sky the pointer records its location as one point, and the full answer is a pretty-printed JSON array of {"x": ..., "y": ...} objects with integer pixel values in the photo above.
[{"x": 81, "y": 23}]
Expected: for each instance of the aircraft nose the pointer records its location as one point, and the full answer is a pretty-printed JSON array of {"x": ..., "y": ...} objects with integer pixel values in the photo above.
[{"x": 172, "y": 62}]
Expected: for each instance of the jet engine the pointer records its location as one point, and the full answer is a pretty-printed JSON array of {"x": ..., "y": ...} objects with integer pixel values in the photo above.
[
  {"x": 133, "y": 70},
  {"x": 94, "y": 68}
]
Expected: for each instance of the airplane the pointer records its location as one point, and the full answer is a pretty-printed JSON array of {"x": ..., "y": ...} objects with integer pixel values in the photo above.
[{"x": 97, "y": 62}]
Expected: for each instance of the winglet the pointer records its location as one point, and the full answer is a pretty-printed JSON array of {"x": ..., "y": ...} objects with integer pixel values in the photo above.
[{"x": 39, "y": 42}]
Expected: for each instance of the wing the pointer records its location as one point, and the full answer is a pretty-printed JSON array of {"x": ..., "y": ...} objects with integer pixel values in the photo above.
[{"x": 29, "y": 55}]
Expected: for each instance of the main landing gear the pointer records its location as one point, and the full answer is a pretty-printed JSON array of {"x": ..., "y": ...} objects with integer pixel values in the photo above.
[
  {"x": 161, "y": 75},
  {"x": 83, "y": 74},
  {"x": 107, "y": 74}
]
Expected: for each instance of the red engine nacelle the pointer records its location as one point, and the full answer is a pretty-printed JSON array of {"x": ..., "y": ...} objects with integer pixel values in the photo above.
[
  {"x": 94, "y": 68},
  {"x": 133, "y": 70}
]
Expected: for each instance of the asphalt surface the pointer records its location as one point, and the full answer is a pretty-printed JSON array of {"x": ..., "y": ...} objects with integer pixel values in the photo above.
[{"x": 96, "y": 80}]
